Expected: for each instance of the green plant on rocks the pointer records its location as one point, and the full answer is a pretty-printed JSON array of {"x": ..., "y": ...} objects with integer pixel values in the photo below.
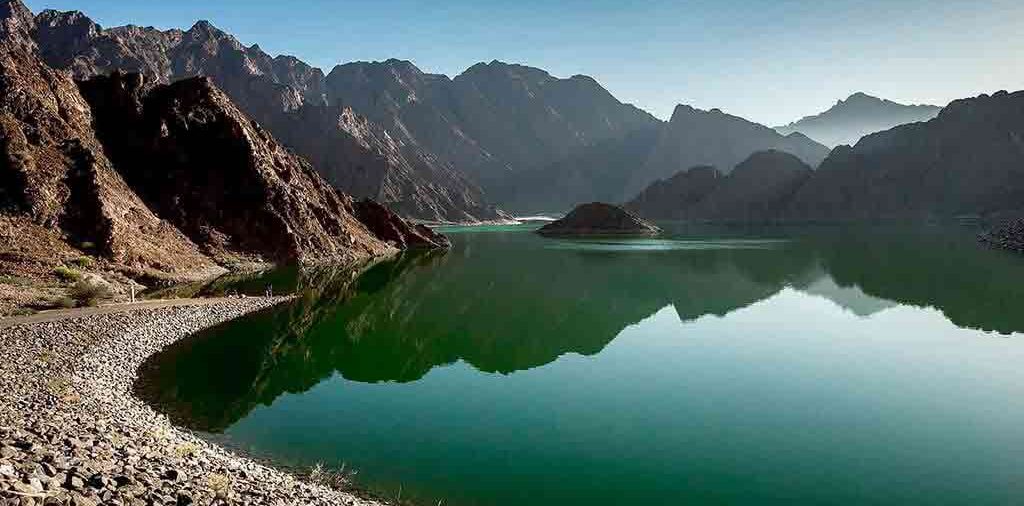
[
  {"x": 67, "y": 274},
  {"x": 220, "y": 485},
  {"x": 83, "y": 262},
  {"x": 185, "y": 450},
  {"x": 337, "y": 479}
]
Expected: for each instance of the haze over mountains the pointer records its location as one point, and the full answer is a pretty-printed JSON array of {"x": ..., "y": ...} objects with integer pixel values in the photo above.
[
  {"x": 857, "y": 116},
  {"x": 967, "y": 161}
]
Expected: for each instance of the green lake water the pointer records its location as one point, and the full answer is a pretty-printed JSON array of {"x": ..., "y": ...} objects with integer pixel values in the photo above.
[{"x": 731, "y": 366}]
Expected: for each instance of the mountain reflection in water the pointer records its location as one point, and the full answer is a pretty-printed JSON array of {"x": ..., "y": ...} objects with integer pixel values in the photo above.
[{"x": 504, "y": 302}]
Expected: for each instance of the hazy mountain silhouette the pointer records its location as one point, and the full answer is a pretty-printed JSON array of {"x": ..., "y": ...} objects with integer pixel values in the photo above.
[
  {"x": 969, "y": 160},
  {"x": 695, "y": 137},
  {"x": 757, "y": 190},
  {"x": 857, "y": 116}
]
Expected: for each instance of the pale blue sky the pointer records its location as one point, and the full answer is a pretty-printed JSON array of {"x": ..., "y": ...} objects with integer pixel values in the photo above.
[{"x": 769, "y": 61}]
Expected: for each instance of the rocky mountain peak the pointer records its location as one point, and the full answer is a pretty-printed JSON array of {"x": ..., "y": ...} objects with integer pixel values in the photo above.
[
  {"x": 55, "y": 18},
  {"x": 858, "y": 115},
  {"x": 860, "y": 96},
  {"x": 771, "y": 160}
]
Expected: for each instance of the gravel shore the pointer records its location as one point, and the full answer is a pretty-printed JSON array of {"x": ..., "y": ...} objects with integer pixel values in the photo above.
[{"x": 71, "y": 432}]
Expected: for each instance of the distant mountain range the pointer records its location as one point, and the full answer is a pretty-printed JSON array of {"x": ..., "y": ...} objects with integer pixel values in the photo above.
[
  {"x": 857, "y": 116},
  {"x": 617, "y": 169},
  {"x": 967, "y": 161},
  {"x": 504, "y": 136},
  {"x": 695, "y": 137},
  {"x": 432, "y": 147}
]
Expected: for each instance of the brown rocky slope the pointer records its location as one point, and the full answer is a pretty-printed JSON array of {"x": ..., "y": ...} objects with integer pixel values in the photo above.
[
  {"x": 220, "y": 177},
  {"x": 191, "y": 183},
  {"x": 54, "y": 173}
]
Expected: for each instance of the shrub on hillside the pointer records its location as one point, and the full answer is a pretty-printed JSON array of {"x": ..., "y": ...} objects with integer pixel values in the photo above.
[
  {"x": 90, "y": 294},
  {"x": 67, "y": 274},
  {"x": 83, "y": 262}
]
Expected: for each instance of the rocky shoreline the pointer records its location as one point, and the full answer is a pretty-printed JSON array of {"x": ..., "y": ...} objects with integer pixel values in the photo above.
[{"x": 71, "y": 432}]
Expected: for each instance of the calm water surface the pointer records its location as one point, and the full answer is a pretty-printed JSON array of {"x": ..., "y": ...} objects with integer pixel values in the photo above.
[{"x": 814, "y": 366}]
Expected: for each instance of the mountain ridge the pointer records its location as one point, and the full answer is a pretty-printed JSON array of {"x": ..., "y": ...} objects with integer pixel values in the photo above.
[
  {"x": 273, "y": 90},
  {"x": 858, "y": 115},
  {"x": 967, "y": 161}
]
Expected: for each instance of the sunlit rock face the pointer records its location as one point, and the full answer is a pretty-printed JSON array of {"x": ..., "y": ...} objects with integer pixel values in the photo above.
[{"x": 219, "y": 177}]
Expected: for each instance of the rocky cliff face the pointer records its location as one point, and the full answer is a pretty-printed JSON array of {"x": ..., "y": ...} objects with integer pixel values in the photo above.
[
  {"x": 529, "y": 119},
  {"x": 224, "y": 181},
  {"x": 695, "y": 137},
  {"x": 287, "y": 96},
  {"x": 759, "y": 189},
  {"x": 968, "y": 160},
  {"x": 495, "y": 122},
  {"x": 56, "y": 177},
  {"x": 388, "y": 226},
  {"x": 857, "y": 116}
]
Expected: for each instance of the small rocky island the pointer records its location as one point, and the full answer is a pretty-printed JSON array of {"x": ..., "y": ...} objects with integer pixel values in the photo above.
[{"x": 596, "y": 219}]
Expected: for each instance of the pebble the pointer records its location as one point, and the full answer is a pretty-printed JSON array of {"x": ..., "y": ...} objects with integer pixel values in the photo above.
[{"x": 72, "y": 433}]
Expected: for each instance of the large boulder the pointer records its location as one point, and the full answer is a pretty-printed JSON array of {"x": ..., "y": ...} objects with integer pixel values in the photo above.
[{"x": 597, "y": 218}]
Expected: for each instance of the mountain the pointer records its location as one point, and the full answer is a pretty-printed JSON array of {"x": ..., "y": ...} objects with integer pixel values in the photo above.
[
  {"x": 857, "y": 116},
  {"x": 596, "y": 173},
  {"x": 969, "y": 160},
  {"x": 494, "y": 121},
  {"x": 432, "y": 147},
  {"x": 221, "y": 179},
  {"x": 162, "y": 182},
  {"x": 695, "y": 137},
  {"x": 758, "y": 189},
  {"x": 59, "y": 188},
  {"x": 287, "y": 96},
  {"x": 530, "y": 119}
]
